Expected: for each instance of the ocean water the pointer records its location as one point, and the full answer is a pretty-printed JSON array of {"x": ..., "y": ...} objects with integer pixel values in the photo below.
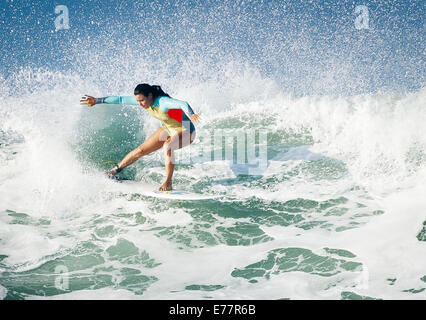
[{"x": 336, "y": 209}]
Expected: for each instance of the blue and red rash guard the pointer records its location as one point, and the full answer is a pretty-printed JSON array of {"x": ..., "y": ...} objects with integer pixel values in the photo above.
[{"x": 172, "y": 112}]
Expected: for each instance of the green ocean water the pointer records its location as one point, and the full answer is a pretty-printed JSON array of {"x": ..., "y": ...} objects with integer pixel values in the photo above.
[{"x": 112, "y": 239}]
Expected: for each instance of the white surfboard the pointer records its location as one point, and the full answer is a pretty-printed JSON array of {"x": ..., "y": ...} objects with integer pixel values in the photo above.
[{"x": 147, "y": 189}]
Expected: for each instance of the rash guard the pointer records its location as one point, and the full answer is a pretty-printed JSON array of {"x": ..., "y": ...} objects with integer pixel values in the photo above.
[{"x": 172, "y": 112}]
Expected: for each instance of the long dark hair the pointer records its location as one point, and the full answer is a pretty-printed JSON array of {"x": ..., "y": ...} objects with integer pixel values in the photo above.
[{"x": 146, "y": 89}]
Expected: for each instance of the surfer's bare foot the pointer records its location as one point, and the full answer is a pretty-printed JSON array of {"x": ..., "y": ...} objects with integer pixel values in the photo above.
[
  {"x": 110, "y": 173},
  {"x": 166, "y": 186}
]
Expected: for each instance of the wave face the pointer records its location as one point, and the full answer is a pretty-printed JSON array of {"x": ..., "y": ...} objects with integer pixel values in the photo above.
[{"x": 333, "y": 210}]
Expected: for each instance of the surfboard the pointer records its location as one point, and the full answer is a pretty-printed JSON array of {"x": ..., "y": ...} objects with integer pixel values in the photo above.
[{"x": 147, "y": 189}]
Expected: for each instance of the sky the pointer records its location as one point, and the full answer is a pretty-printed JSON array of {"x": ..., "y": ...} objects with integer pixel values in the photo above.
[{"x": 306, "y": 46}]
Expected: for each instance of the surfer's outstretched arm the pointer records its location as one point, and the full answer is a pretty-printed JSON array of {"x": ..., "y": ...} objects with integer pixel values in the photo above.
[{"x": 91, "y": 101}]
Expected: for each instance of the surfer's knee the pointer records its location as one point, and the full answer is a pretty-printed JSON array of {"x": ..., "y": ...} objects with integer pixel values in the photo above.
[{"x": 167, "y": 148}]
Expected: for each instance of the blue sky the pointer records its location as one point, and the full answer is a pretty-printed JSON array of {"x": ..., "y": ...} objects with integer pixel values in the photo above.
[{"x": 297, "y": 42}]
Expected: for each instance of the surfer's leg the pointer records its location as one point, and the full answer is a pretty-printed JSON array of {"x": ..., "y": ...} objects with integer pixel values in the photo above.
[
  {"x": 170, "y": 167},
  {"x": 153, "y": 143},
  {"x": 178, "y": 141}
]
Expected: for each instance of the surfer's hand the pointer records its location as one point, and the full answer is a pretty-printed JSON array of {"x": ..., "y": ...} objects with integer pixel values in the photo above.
[
  {"x": 87, "y": 100},
  {"x": 195, "y": 118}
]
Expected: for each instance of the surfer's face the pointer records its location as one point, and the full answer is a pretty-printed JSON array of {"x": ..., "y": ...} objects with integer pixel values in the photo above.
[{"x": 144, "y": 101}]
